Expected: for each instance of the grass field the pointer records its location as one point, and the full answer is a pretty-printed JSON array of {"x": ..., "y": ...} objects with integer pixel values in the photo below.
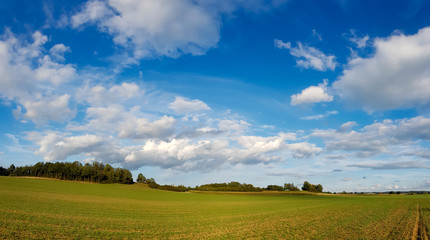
[{"x": 41, "y": 209}]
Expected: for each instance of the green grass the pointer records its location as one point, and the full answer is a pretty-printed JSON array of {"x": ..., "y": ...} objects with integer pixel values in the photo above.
[{"x": 43, "y": 209}]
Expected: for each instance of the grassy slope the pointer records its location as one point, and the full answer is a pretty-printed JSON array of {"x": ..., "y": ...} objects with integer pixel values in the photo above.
[{"x": 40, "y": 208}]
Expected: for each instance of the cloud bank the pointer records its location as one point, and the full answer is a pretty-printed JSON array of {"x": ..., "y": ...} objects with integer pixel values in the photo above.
[{"x": 395, "y": 76}]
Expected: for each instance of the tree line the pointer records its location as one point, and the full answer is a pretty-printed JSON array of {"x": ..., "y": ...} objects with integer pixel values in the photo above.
[
  {"x": 105, "y": 173},
  {"x": 153, "y": 184},
  {"x": 95, "y": 172},
  {"x": 311, "y": 187},
  {"x": 230, "y": 187}
]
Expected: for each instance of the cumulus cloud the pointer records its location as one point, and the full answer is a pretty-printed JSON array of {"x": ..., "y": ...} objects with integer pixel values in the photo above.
[
  {"x": 395, "y": 76},
  {"x": 142, "y": 128},
  {"x": 181, "y": 154},
  {"x": 308, "y": 57},
  {"x": 19, "y": 75},
  {"x": 233, "y": 125},
  {"x": 208, "y": 154},
  {"x": 55, "y": 147},
  {"x": 58, "y": 51},
  {"x": 312, "y": 94},
  {"x": 153, "y": 28},
  {"x": 55, "y": 109},
  {"x": 258, "y": 144},
  {"x": 27, "y": 75},
  {"x": 303, "y": 149},
  {"x": 101, "y": 119},
  {"x": 183, "y": 105},
  {"x": 377, "y": 138},
  {"x": 100, "y": 96},
  {"x": 266, "y": 144}
]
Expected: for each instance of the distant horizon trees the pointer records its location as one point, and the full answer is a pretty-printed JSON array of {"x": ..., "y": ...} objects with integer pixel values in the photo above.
[
  {"x": 290, "y": 187},
  {"x": 4, "y": 171},
  {"x": 274, "y": 188},
  {"x": 153, "y": 184},
  {"x": 105, "y": 173},
  {"x": 231, "y": 187},
  {"x": 141, "y": 178},
  {"x": 95, "y": 172},
  {"x": 311, "y": 187}
]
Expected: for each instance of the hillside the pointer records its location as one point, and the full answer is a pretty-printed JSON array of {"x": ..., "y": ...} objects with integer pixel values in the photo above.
[{"x": 32, "y": 208}]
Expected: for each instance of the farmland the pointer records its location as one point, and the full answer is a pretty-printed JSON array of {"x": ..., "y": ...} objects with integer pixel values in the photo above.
[{"x": 32, "y": 208}]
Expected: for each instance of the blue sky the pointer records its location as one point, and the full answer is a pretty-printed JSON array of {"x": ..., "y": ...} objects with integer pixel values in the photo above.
[{"x": 335, "y": 92}]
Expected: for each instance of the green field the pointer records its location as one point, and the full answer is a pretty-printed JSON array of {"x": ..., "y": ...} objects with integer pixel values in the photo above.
[{"x": 41, "y": 209}]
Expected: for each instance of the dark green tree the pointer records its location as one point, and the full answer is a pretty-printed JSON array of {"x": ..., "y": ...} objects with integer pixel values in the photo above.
[
  {"x": 4, "y": 171},
  {"x": 290, "y": 187},
  {"x": 275, "y": 188},
  {"x": 319, "y": 188},
  {"x": 11, "y": 169},
  {"x": 311, "y": 187},
  {"x": 141, "y": 178}
]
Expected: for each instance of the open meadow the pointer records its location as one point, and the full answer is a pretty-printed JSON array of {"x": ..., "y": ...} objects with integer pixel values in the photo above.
[{"x": 33, "y": 208}]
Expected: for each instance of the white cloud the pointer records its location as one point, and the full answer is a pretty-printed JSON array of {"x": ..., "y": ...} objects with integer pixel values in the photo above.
[
  {"x": 183, "y": 105},
  {"x": 347, "y": 126},
  {"x": 308, "y": 57},
  {"x": 53, "y": 72},
  {"x": 143, "y": 128},
  {"x": 101, "y": 119},
  {"x": 257, "y": 145},
  {"x": 320, "y": 116},
  {"x": 312, "y": 94},
  {"x": 386, "y": 137},
  {"x": 182, "y": 154},
  {"x": 265, "y": 144},
  {"x": 391, "y": 165},
  {"x": 27, "y": 76},
  {"x": 100, "y": 96},
  {"x": 396, "y": 76},
  {"x": 55, "y": 109},
  {"x": 55, "y": 147},
  {"x": 233, "y": 125},
  {"x": 152, "y": 28},
  {"x": 303, "y": 149},
  {"x": 360, "y": 42},
  {"x": 92, "y": 11},
  {"x": 58, "y": 51}
]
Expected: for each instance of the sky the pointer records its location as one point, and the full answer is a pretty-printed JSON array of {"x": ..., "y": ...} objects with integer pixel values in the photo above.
[{"x": 334, "y": 92}]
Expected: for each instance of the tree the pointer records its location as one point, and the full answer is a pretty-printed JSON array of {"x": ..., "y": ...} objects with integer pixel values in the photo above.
[
  {"x": 311, "y": 187},
  {"x": 274, "y": 188},
  {"x": 234, "y": 184},
  {"x": 307, "y": 186},
  {"x": 11, "y": 169},
  {"x": 151, "y": 183},
  {"x": 290, "y": 187},
  {"x": 141, "y": 178},
  {"x": 97, "y": 172},
  {"x": 319, "y": 188},
  {"x": 4, "y": 171}
]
